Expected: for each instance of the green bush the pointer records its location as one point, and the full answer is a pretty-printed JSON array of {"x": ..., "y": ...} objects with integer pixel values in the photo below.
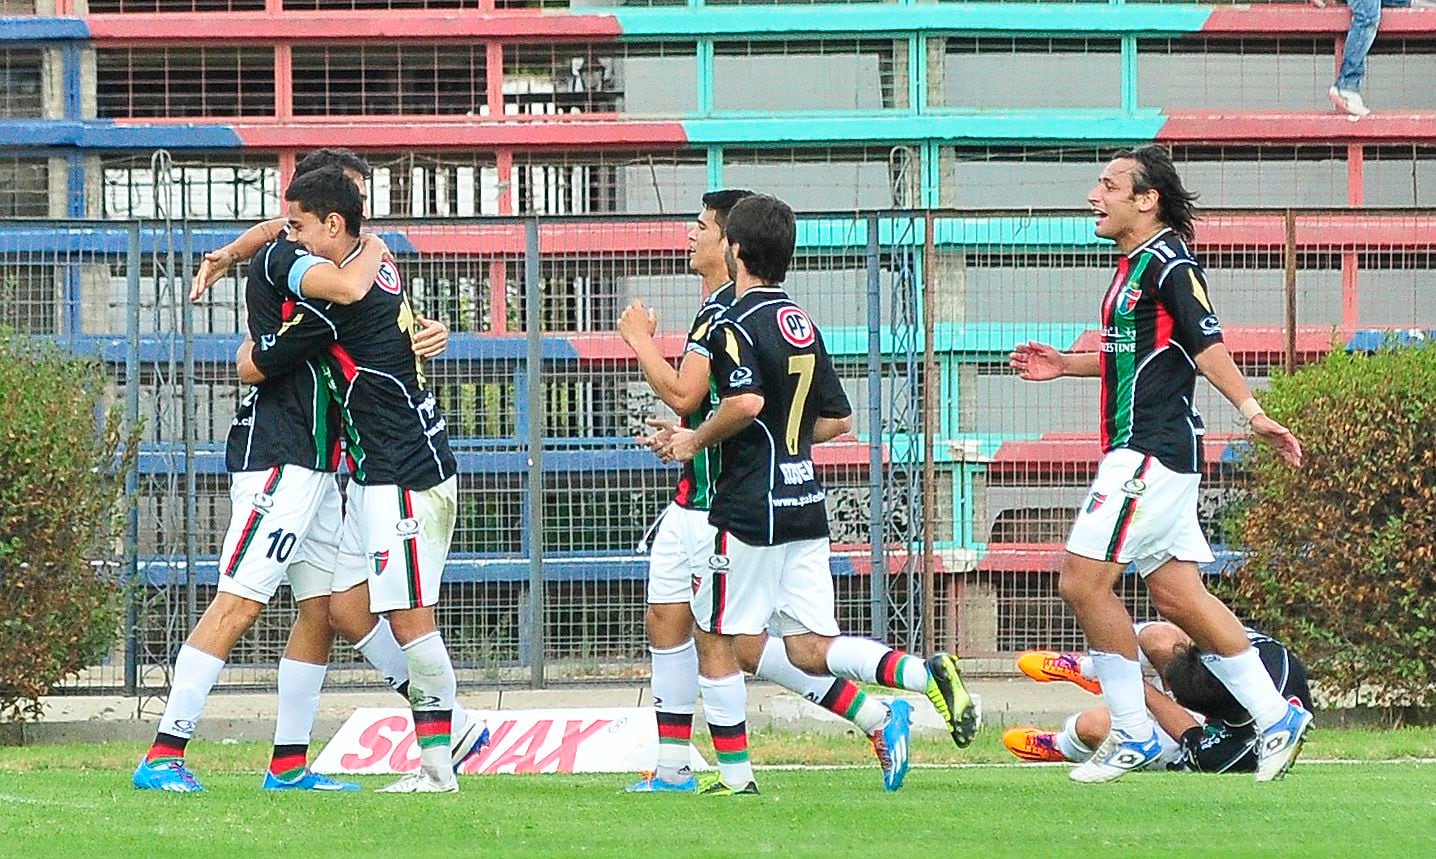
[
  {"x": 61, "y": 501},
  {"x": 1341, "y": 556}
]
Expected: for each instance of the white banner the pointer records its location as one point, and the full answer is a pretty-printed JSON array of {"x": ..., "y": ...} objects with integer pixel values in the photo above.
[{"x": 580, "y": 740}]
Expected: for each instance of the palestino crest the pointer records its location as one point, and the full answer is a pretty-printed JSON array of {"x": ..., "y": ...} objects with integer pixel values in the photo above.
[
  {"x": 1095, "y": 501},
  {"x": 388, "y": 278},
  {"x": 796, "y": 327}
]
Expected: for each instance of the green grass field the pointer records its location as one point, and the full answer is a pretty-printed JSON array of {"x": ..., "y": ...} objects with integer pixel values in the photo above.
[{"x": 77, "y": 800}]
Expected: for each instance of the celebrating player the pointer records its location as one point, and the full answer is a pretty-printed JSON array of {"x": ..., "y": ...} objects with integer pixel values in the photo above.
[
  {"x": 403, "y": 497},
  {"x": 1200, "y": 726},
  {"x": 683, "y": 542},
  {"x": 768, "y": 568},
  {"x": 1158, "y": 332}
]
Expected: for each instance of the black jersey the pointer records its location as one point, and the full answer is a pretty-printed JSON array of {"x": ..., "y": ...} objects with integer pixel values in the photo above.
[
  {"x": 1156, "y": 318},
  {"x": 1221, "y": 746},
  {"x": 700, "y": 475},
  {"x": 289, "y": 419},
  {"x": 394, "y": 430},
  {"x": 768, "y": 491}
]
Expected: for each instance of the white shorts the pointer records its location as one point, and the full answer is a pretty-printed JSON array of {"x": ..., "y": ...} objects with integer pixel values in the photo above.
[
  {"x": 403, "y": 535},
  {"x": 785, "y": 589},
  {"x": 271, "y": 515},
  {"x": 1139, "y": 511},
  {"x": 679, "y": 556},
  {"x": 323, "y": 566}
]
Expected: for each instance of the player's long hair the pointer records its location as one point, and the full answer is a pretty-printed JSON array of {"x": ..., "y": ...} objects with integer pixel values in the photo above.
[{"x": 1176, "y": 206}]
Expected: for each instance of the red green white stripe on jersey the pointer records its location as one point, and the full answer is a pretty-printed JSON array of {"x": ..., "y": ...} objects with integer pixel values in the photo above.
[{"x": 251, "y": 525}]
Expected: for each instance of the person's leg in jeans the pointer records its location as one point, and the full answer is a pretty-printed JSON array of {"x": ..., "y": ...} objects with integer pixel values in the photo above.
[{"x": 1365, "y": 19}]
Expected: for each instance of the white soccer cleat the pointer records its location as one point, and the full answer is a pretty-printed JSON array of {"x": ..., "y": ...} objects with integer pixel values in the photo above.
[
  {"x": 1118, "y": 755},
  {"x": 424, "y": 781},
  {"x": 468, "y": 741},
  {"x": 1278, "y": 746},
  {"x": 1348, "y": 102}
]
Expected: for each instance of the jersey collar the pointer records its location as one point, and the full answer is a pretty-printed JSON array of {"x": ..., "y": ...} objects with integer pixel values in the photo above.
[{"x": 1149, "y": 242}]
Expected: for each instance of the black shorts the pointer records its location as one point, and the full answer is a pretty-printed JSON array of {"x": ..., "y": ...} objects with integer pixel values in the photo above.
[{"x": 1217, "y": 748}]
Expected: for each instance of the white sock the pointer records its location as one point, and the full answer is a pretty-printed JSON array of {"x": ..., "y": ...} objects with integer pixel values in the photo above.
[
  {"x": 1123, "y": 693},
  {"x": 1071, "y": 745},
  {"x": 383, "y": 652},
  {"x": 299, "y": 685},
  {"x": 675, "y": 697},
  {"x": 725, "y": 705},
  {"x": 194, "y": 676},
  {"x": 867, "y": 661},
  {"x": 1246, "y": 678},
  {"x": 1086, "y": 668},
  {"x": 432, "y": 687}
]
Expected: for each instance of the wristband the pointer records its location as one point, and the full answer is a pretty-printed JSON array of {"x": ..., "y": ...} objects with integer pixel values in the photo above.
[{"x": 1250, "y": 409}]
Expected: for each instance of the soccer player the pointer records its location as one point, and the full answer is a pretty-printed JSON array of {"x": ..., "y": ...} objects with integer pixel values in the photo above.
[
  {"x": 1158, "y": 332},
  {"x": 1201, "y": 727},
  {"x": 768, "y": 569},
  {"x": 289, "y": 424},
  {"x": 403, "y": 497},
  {"x": 683, "y": 541}
]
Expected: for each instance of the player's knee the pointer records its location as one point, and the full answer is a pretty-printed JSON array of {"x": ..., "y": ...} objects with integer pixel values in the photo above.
[
  {"x": 350, "y": 616},
  {"x": 1073, "y": 587},
  {"x": 411, "y": 624},
  {"x": 233, "y": 612},
  {"x": 314, "y": 615},
  {"x": 1093, "y": 726},
  {"x": 749, "y": 650},
  {"x": 669, "y": 625}
]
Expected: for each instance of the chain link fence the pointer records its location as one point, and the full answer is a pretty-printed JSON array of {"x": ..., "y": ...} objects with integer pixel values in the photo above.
[{"x": 949, "y": 544}]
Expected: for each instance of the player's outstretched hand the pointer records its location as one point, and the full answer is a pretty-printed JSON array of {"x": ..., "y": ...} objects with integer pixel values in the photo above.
[
  {"x": 431, "y": 339},
  {"x": 1036, "y": 362},
  {"x": 660, "y": 439},
  {"x": 637, "y": 321},
  {"x": 211, "y": 269},
  {"x": 1279, "y": 437}
]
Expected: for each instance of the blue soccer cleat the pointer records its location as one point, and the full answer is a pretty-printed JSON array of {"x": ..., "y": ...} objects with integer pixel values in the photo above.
[
  {"x": 651, "y": 783},
  {"x": 1118, "y": 755},
  {"x": 891, "y": 744},
  {"x": 172, "y": 776},
  {"x": 310, "y": 780},
  {"x": 470, "y": 741},
  {"x": 1278, "y": 746}
]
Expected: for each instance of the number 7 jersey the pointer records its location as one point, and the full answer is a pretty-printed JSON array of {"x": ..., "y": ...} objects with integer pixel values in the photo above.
[{"x": 768, "y": 491}]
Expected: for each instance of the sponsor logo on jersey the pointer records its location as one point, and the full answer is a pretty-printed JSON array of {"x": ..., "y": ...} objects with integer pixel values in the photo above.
[
  {"x": 796, "y": 327},
  {"x": 1210, "y": 325},
  {"x": 1134, "y": 487},
  {"x": 266, "y": 341},
  {"x": 388, "y": 278},
  {"x": 797, "y": 473},
  {"x": 379, "y": 560},
  {"x": 717, "y": 562},
  {"x": 1095, "y": 501},
  {"x": 263, "y": 501},
  {"x": 407, "y": 527},
  {"x": 740, "y": 378}
]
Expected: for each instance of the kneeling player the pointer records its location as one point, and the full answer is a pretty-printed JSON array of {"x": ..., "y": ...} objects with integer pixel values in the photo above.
[{"x": 1200, "y": 725}]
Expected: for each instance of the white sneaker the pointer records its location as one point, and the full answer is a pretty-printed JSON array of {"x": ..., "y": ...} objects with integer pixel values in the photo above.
[
  {"x": 423, "y": 781},
  {"x": 468, "y": 741},
  {"x": 1118, "y": 755},
  {"x": 1278, "y": 746},
  {"x": 1348, "y": 102}
]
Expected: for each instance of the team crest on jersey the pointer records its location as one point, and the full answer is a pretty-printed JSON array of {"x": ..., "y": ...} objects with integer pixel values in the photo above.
[
  {"x": 1094, "y": 501},
  {"x": 796, "y": 327},
  {"x": 379, "y": 560},
  {"x": 1127, "y": 302},
  {"x": 388, "y": 278}
]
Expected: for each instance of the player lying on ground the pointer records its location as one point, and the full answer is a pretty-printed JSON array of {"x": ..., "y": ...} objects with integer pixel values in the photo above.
[
  {"x": 1200, "y": 725},
  {"x": 282, "y": 452},
  {"x": 768, "y": 571},
  {"x": 1158, "y": 332},
  {"x": 683, "y": 539},
  {"x": 403, "y": 497}
]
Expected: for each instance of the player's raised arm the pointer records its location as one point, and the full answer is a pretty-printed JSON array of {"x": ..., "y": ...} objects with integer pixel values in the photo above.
[
  {"x": 345, "y": 284},
  {"x": 682, "y": 389},
  {"x": 1039, "y": 362},
  {"x": 242, "y": 249}
]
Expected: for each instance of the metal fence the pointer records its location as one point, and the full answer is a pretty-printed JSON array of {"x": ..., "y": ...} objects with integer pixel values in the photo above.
[{"x": 957, "y": 489}]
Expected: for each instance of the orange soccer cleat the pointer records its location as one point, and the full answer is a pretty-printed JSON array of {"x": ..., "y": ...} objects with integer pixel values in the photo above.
[
  {"x": 1031, "y": 744},
  {"x": 1045, "y": 666}
]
